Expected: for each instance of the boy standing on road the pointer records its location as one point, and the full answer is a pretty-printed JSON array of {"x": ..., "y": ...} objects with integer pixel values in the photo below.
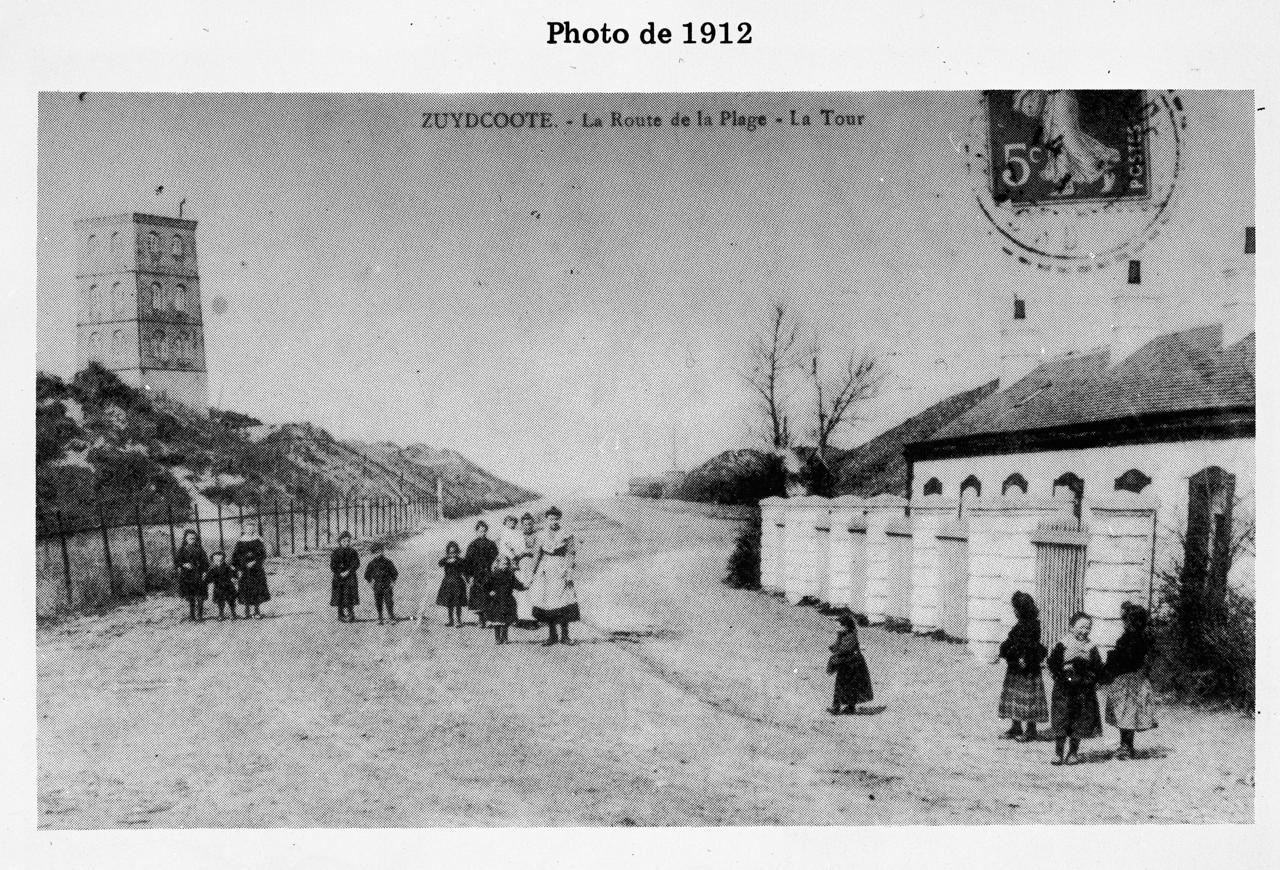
[{"x": 381, "y": 574}]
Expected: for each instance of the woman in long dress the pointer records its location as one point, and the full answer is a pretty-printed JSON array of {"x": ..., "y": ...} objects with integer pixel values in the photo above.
[
  {"x": 249, "y": 561},
  {"x": 554, "y": 600}
]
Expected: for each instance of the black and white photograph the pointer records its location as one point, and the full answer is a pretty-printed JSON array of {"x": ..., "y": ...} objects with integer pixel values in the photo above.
[{"x": 540, "y": 459}]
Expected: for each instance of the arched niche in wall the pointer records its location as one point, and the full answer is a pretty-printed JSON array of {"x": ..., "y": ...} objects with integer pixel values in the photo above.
[
  {"x": 1132, "y": 480},
  {"x": 1014, "y": 481}
]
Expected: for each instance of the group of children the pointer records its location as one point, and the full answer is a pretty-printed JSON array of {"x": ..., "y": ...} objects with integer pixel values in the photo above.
[
  {"x": 523, "y": 579},
  {"x": 1075, "y": 664},
  {"x": 1078, "y": 670},
  {"x": 380, "y": 574},
  {"x": 243, "y": 580}
]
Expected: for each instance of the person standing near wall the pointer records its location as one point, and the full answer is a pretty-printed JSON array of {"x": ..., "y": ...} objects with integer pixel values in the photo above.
[
  {"x": 1130, "y": 699},
  {"x": 1076, "y": 666},
  {"x": 1022, "y": 698}
]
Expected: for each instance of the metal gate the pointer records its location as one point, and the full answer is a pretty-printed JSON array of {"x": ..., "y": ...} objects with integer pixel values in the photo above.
[
  {"x": 953, "y": 580},
  {"x": 1060, "y": 562}
]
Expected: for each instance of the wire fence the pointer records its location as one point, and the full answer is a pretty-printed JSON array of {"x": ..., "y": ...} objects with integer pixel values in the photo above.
[{"x": 123, "y": 556}]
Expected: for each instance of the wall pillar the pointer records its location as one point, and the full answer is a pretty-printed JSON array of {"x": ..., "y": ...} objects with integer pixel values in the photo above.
[
  {"x": 1002, "y": 560},
  {"x": 807, "y": 540},
  {"x": 846, "y": 511},
  {"x": 880, "y": 511},
  {"x": 773, "y": 512},
  {"x": 1118, "y": 566},
  {"x": 927, "y": 514}
]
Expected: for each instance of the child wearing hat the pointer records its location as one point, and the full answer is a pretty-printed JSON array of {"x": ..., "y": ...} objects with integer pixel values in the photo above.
[
  {"x": 853, "y": 680},
  {"x": 344, "y": 563},
  {"x": 381, "y": 574}
]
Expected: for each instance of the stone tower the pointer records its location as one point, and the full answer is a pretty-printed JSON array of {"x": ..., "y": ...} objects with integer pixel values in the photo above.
[{"x": 139, "y": 297}]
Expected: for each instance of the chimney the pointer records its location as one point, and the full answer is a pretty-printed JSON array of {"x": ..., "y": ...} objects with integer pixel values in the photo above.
[
  {"x": 1021, "y": 348},
  {"x": 1237, "y": 310},
  {"x": 1137, "y": 316}
]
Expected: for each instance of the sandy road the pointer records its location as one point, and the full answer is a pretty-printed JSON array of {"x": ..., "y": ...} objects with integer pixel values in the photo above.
[{"x": 684, "y": 703}]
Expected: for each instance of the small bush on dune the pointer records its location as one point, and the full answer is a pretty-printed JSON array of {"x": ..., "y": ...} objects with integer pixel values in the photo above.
[{"x": 744, "y": 562}]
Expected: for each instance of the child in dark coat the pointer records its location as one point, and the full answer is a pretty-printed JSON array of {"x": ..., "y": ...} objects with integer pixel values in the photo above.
[
  {"x": 1130, "y": 699},
  {"x": 453, "y": 588},
  {"x": 381, "y": 574},
  {"x": 223, "y": 583},
  {"x": 1022, "y": 697},
  {"x": 501, "y": 610},
  {"x": 192, "y": 563},
  {"x": 853, "y": 680},
  {"x": 1076, "y": 666}
]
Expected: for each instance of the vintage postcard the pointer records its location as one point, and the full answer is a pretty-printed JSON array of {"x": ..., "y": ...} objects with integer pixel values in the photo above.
[{"x": 693, "y": 459}]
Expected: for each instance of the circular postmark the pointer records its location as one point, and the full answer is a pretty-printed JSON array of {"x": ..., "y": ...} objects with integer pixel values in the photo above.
[{"x": 1071, "y": 181}]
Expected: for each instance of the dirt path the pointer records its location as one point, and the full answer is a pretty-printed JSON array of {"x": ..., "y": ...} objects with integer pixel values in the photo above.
[{"x": 684, "y": 703}]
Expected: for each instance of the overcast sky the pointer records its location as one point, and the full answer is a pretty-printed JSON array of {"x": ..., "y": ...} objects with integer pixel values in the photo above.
[{"x": 555, "y": 304}]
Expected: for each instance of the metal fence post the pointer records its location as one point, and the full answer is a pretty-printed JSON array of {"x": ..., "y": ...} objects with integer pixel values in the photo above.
[
  {"x": 142, "y": 546},
  {"x": 66, "y": 557},
  {"x": 293, "y": 544},
  {"x": 106, "y": 553},
  {"x": 275, "y": 511},
  {"x": 222, "y": 544},
  {"x": 173, "y": 542}
]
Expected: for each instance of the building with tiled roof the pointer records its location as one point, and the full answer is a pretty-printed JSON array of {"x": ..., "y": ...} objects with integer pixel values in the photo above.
[{"x": 1169, "y": 415}]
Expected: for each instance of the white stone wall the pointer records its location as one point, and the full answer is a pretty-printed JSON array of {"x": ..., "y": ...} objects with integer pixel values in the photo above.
[
  {"x": 1169, "y": 466},
  {"x": 879, "y": 511},
  {"x": 846, "y": 513}
]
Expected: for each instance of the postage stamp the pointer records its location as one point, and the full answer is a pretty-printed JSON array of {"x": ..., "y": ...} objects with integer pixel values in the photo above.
[{"x": 560, "y": 460}]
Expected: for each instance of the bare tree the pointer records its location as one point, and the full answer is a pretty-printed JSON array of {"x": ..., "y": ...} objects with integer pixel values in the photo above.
[
  {"x": 838, "y": 395},
  {"x": 771, "y": 355}
]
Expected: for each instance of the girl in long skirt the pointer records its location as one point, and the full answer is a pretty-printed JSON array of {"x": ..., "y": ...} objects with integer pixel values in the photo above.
[
  {"x": 1076, "y": 666},
  {"x": 555, "y": 601},
  {"x": 453, "y": 588},
  {"x": 853, "y": 680},
  {"x": 223, "y": 583},
  {"x": 1022, "y": 697},
  {"x": 249, "y": 559},
  {"x": 191, "y": 564},
  {"x": 1130, "y": 699},
  {"x": 344, "y": 592},
  {"x": 501, "y": 610}
]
